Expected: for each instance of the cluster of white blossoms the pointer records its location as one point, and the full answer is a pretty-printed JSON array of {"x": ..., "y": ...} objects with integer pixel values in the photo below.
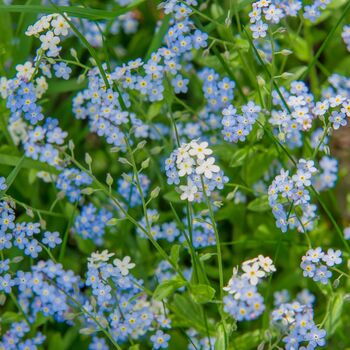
[
  {"x": 193, "y": 163},
  {"x": 98, "y": 259},
  {"x": 49, "y": 29},
  {"x": 257, "y": 268}
]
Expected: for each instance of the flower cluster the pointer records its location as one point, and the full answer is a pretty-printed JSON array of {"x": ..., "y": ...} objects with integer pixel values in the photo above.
[
  {"x": 42, "y": 142},
  {"x": 92, "y": 30},
  {"x": 167, "y": 230},
  {"x": 338, "y": 85},
  {"x": 217, "y": 92},
  {"x": 298, "y": 110},
  {"x": 289, "y": 198},
  {"x": 17, "y": 337},
  {"x": 268, "y": 12},
  {"x": 237, "y": 127},
  {"x": 193, "y": 162},
  {"x": 316, "y": 264},
  {"x": 91, "y": 223},
  {"x": 295, "y": 319},
  {"x": 46, "y": 289},
  {"x": 49, "y": 29},
  {"x": 327, "y": 176},
  {"x": 103, "y": 106},
  {"x": 71, "y": 182},
  {"x": 243, "y": 301},
  {"x": 22, "y": 234},
  {"x": 22, "y": 95},
  {"x": 203, "y": 234},
  {"x": 121, "y": 303}
]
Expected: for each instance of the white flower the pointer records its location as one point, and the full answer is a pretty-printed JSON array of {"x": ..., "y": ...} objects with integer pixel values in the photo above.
[
  {"x": 266, "y": 263},
  {"x": 3, "y": 87},
  {"x": 207, "y": 168},
  {"x": 60, "y": 26},
  {"x": 253, "y": 273},
  {"x": 41, "y": 86},
  {"x": 98, "y": 257},
  {"x": 49, "y": 41},
  {"x": 18, "y": 131},
  {"x": 336, "y": 101},
  {"x": 185, "y": 167},
  {"x": 124, "y": 265},
  {"x": 25, "y": 70},
  {"x": 188, "y": 191},
  {"x": 46, "y": 176},
  {"x": 200, "y": 150},
  {"x": 39, "y": 26},
  {"x": 182, "y": 153}
]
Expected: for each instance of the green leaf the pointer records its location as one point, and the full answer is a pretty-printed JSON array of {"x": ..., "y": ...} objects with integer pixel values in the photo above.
[
  {"x": 221, "y": 338},
  {"x": 28, "y": 163},
  {"x": 206, "y": 256},
  {"x": 238, "y": 157},
  {"x": 60, "y": 86},
  {"x": 259, "y": 204},
  {"x": 158, "y": 37},
  {"x": 189, "y": 312},
  {"x": 85, "y": 245},
  {"x": 172, "y": 196},
  {"x": 202, "y": 293},
  {"x": 257, "y": 164},
  {"x": 73, "y": 11},
  {"x": 10, "y": 317},
  {"x": 248, "y": 341},
  {"x": 11, "y": 178},
  {"x": 168, "y": 287},
  {"x": 154, "y": 110},
  {"x": 174, "y": 253},
  {"x": 300, "y": 48},
  {"x": 335, "y": 306},
  {"x": 56, "y": 342}
]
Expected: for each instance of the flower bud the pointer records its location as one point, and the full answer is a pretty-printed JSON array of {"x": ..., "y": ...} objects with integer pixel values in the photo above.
[
  {"x": 286, "y": 75},
  {"x": 71, "y": 145},
  {"x": 74, "y": 53},
  {"x": 145, "y": 163},
  {"x": 109, "y": 179},
  {"x": 155, "y": 192},
  {"x": 123, "y": 160},
  {"x": 286, "y": 52},
  {"x": 88, "y": 191},
  {"x": 88, "y": 159},
  {"x": 112, "y": 222},
  {"x": 141, "y": 144},
  {"x": 127, "y": 178}
]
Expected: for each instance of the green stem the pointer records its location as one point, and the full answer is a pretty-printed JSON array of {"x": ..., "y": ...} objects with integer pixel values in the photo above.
[{"x": 66, "y": 234}]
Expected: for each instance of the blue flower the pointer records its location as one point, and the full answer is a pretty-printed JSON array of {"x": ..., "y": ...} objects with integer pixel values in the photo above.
[
  {"x": 160, "y": 340},
  {"x": 33, "y": 248},
  {"x": 3, "y": 185},
  {"x": 6, "y": 283},
  {"x": 51, "y": 239},
  {"x": 62, "y": 70}
]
